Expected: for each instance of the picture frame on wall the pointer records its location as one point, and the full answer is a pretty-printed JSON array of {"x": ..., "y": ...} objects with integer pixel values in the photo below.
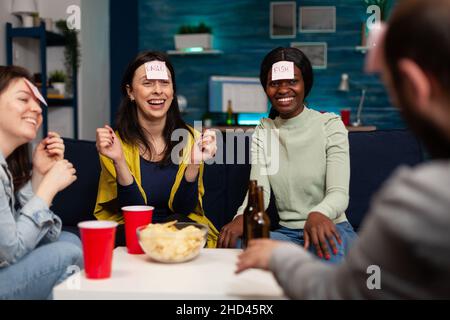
[
  {"x": 283, "y": 19},
  {"x": 317, "y": 53},
  {"x": 317, "y": 19}
]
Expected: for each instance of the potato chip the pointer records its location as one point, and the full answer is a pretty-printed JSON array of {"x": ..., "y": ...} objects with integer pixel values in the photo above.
[{"x": 166, "y": 243}]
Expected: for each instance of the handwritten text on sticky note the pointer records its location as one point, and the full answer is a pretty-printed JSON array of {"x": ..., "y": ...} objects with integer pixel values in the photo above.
[
  {"x": 156, "y": 70},
  {"x": 283, "y": 70}
]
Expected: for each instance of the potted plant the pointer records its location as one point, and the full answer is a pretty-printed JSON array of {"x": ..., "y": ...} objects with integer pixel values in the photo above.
[
  {"x": 36, "y": 19},
  {"x": 58, "y": 79},
  {"x": 72, "y": 54},
  {"x": 190, "y": 36}
]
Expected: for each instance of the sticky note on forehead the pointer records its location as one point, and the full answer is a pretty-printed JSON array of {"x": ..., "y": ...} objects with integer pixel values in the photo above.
[
  {"x": 156, "y": 70},
  {"x": 37, "y": 94},
  {"x": 283, "y": 70}
]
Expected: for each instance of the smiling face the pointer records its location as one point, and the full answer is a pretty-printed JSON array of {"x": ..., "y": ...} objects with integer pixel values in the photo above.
[
  {"x": 21, "y": 113},
  {"x": 153, "y": 97},
  {"x": 287, "y": 96}
]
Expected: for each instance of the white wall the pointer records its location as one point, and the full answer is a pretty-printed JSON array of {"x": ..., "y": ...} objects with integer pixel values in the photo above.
[
  {"x": 24, "y": 48},
  {"x": 60, "y": 119},
  {"x": 95, "y": 70},
  {"x": 93, "y": 79},
  {"x": 26, "y": 51},
  {"x": 5, "y": 16}
]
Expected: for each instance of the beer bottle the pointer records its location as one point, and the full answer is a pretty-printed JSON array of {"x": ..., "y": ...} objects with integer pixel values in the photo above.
[
  {"x": 230, "y": 118},
  {"x": 252, "y": 202},
  {"x": 259, "y": 224}
]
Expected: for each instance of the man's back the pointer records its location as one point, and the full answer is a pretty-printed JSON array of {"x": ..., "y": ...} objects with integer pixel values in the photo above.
[{"x": 404, "y": 242}]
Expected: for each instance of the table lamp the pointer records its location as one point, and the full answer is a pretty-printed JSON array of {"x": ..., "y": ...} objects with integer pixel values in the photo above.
[
  {"x": 182, "y": 103},
  {"x": 344, "y": 86},
  {"x": 24, "y": 9}
]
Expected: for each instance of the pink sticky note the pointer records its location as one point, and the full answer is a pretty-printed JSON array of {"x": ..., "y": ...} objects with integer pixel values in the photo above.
[
  {"x": 156, "y": 70},
  {"x": 37, "y": 94},
  {"x": 283, "y": 70},
  {"x": 375, "y": 54}
]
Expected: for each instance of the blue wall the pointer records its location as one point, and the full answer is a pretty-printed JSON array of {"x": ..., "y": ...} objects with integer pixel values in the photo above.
[{"x": 241, "y": 31}]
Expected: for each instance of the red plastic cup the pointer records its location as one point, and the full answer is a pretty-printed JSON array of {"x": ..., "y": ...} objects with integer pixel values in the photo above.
[
  {"x": 135, "y": 216},
  {"x": 345, "y": 116},
  {"x": 98, "y": 239}
]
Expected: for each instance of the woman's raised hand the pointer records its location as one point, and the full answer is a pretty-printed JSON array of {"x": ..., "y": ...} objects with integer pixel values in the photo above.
[
  {"x": 60, "y": 176},
  {"x": 47, "y": 153},
  {"x": 204, "y": 148},
  {"x": 108, "y": 144}
]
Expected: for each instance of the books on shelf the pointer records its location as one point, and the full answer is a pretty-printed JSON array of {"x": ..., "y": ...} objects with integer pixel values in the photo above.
[{"x": 55, "y": 96}]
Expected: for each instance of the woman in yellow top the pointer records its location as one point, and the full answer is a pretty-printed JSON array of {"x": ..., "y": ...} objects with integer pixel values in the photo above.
[{"x": 144, "y": 161}]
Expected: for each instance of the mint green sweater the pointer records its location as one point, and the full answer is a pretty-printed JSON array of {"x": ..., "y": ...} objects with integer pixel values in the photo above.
[{"x": 305, "y": 160}]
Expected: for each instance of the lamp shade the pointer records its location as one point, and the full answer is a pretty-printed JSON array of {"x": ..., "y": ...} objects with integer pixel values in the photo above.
[
  {"x": 24, "y": 7},
  {"x": 344, "y": 85},
  {"x": 182, "y": 102}
]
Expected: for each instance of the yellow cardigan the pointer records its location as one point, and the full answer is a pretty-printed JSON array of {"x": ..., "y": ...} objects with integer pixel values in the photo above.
[{"x": 106, "y": 207}]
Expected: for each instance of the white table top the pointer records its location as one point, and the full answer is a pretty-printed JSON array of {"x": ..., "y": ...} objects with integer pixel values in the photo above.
[{"x": 210, "y": 276}]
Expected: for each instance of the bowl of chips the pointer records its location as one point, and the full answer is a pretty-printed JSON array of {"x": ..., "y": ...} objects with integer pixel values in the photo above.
[{"x": 172, "y": 242}]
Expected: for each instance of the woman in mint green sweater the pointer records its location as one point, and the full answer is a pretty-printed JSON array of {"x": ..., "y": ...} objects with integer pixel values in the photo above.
[{"x": 303, "y": 156}]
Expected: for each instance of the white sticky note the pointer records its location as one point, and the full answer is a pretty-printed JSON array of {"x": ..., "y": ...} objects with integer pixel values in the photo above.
[
  {"x": 156, "y": 70},
  {"x": 283, "y": 70},
  {"x": 37, "y": 94}
]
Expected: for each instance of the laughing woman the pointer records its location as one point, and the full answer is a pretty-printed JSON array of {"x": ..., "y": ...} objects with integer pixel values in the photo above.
[
  {"x": 34, "y": 253},
  {"x": 311, "y": 182},
  {"x": 141, "y": 162}
]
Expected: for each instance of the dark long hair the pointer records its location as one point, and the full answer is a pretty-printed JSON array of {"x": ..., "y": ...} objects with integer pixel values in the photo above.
[
  {"x": 420, "y": 31},
  {"x": 19, "y": 160},
  {"x": 127, "y": 120},
  {"x": 287, "y": 54}
]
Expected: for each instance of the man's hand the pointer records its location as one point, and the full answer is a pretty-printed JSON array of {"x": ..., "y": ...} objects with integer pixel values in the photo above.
[{"x": 257, "y": 254}]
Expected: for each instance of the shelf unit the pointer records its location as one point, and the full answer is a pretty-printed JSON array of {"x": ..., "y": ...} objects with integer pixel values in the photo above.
[
  {"x": 252, "y": 127},
  {"x": 46, "y": 39},
  {"x": 362, "y": 49},
  {"x": 181, "y": 52}
]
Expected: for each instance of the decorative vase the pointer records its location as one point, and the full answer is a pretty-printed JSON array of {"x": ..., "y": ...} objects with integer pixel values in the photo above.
[
  {"x": 61, "y": 87},
  {"x": 193, "y": 40},
  {"x": 27, "y": 21}
]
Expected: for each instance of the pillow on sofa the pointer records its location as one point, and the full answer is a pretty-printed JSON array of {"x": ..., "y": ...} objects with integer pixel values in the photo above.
[
  {"x": 373, "y": 158},
  {"x": 226, "y": 182}
]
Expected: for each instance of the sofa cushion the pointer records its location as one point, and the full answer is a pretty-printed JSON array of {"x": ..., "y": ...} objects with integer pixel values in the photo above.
[
  {"x": 76, "y": 203},
  {"x": 373, "y": 157}
]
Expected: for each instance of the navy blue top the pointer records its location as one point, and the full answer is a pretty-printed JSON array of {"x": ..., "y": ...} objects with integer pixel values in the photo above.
[{"x": 157, "y": 182}]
